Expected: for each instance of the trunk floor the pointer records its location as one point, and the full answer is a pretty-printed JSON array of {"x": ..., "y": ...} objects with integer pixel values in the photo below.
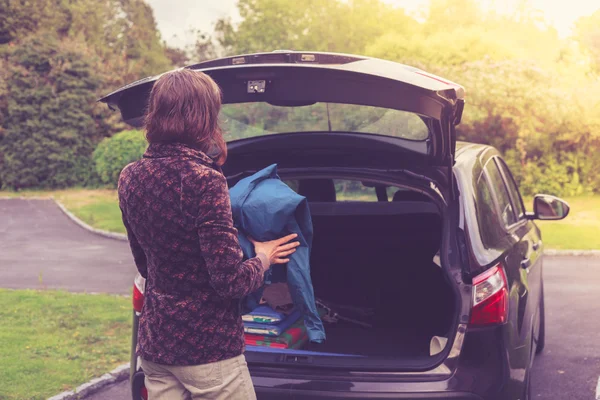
[{"x": 347, "y": 338}]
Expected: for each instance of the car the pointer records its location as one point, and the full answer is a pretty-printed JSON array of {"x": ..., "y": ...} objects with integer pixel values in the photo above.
[{"x": 427, "y": 235}]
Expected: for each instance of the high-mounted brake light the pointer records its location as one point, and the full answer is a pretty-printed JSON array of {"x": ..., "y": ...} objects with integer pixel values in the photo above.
[
  {"x": 139, "y": 285},
  {"x": 490, "y": 298}
]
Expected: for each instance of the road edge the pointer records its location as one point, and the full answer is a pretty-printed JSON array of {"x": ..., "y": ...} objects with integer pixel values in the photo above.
[
  {"x": 116, "y": 375},
  {"x": 101, "y": 232},
  {"x": 552, "y": 252}
]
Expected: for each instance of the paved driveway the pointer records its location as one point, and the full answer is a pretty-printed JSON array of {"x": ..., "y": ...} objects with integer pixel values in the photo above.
[{"x": 41, "y": 248}]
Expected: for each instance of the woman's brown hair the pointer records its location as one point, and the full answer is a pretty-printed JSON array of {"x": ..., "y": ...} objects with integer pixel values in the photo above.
[{"x": 184, "y": 107}]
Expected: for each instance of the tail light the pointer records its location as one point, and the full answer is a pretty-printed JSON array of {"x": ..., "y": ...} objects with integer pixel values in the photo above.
[
  {"x": 490, "y": 297},
  {"x": 144, "y": 393},
  {"x": 139, "y": 285}
]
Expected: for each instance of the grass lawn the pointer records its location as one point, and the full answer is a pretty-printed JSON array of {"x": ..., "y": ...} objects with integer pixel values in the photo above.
[
  {"x": 579, "y": 231},
  {"x": 99, "y": 208},
  {"x": 51, "y": 341}
]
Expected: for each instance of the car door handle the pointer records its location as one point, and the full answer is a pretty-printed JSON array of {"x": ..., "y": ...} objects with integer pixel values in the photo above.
[
  {"x": 526, "y": 263},
  {"x": 537, "y": 245}
]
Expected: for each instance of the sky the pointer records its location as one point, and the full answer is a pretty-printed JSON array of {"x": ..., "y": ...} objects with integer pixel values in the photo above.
[{"x": 176, "y": 17}]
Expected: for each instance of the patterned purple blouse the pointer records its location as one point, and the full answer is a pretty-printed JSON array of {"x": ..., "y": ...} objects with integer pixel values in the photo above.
[{"x": 177, "y": 213}]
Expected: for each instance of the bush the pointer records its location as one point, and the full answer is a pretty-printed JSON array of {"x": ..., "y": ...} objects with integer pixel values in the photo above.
[
  {"x": 48, "y": 128},
  {"x": 114, "y": 153}
]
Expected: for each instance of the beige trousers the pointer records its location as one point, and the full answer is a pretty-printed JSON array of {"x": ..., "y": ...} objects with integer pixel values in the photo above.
[{"x": 221, "y": 380}]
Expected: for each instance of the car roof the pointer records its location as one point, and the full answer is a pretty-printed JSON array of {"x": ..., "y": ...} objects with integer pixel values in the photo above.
[
  {"x": 468, "y": 150},
  {"x": 470, "y": 157}
]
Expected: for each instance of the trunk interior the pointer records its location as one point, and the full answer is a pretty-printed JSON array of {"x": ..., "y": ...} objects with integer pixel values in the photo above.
[
  {"x": 377, "y": 262},
  {"x": 383, "y": 263}
]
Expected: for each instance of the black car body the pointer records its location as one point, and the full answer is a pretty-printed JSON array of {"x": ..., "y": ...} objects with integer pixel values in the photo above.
[{"x": 390, "y": 129}]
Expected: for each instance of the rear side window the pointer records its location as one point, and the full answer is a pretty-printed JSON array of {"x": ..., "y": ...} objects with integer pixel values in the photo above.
[
  {"x": 489, "y": 220},
  {"x": 507, "y": 214},
  {"x": 512, "y": 189}
]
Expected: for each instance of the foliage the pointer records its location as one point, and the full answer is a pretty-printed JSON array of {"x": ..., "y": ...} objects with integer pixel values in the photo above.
[
  {"x": 56, "y": 59},
  {"x": 531, "y": 94},
  {"x": 114, "y": 153},
  {"x": 49, "y": 119},
  {"x": 312, "y": 24},
  {"x": 122, "y": 32},
  {"x": 178, "y": 57},
  {"x": 54, "y": 341},
  {"x": 588, "y": 34}
]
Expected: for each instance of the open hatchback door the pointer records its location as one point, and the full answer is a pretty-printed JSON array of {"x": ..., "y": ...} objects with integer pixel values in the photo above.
[
  {"x": 370, "y": 144},
  {"x": 404, "y": 115}
]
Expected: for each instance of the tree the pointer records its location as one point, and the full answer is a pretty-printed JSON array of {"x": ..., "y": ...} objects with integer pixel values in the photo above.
[
  {"x": 587, "y": 32},
  {"x": 317, "y": 25},
  {"x": 177, "y": 57},
  {"x": 204, "y": 48},
  {"x": 48, "y": 120},
  {"x": 530, "y": 93},
  {"x": 56, "y": 59},
  {"x": 122, "y": 33}
]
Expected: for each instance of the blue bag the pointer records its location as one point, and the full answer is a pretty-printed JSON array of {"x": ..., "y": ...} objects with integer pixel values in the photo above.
[{"x": 266, "y": 209}]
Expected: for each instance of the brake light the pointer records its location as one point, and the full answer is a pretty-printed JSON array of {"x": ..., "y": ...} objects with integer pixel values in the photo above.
[
  {"x": 490, "y": 297},
  {"x": 144, "y": 393},
  {"x": 139, "y": 285}
]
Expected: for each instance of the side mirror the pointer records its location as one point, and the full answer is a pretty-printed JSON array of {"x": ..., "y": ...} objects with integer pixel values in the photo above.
[{"x": 547, "y": 207}]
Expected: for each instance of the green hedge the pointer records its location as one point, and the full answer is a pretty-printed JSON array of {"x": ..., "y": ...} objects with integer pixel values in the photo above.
[
  {"x": 48, "y": 127},
  {"x": 114, "y": 153}
]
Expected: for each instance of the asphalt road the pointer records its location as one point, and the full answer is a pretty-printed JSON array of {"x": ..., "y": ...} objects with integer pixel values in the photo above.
[
  {"x": 569, "y": 367},
  {"x": 41, "y": 248}
]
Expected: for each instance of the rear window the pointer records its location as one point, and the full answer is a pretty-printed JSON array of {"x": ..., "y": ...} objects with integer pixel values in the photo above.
[
  {"x": 355, "y": 190},
  {"x": 345, "y": 190},
  {"x": 246, "y": 120}
]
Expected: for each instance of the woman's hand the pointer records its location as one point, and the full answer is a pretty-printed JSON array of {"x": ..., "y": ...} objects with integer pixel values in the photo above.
[{"x": 278, "y": 250}]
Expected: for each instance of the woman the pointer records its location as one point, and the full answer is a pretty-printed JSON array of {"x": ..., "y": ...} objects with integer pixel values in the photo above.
[{"x": 176, "y": 210}]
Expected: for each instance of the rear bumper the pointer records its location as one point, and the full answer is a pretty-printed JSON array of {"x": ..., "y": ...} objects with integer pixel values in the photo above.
[
  {"x": 299, "y": 394},
  {"x": 274, "y": 386},
  {"x": 481, "y": 373}
]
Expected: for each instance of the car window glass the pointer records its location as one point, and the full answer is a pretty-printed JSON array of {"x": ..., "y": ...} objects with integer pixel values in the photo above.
[
  {"x": 507, "y": 213},
  {"x": 292, "y": 183},
  {"x": 489, "y": 221},
  {"x": 512, "y": 188},
  {"x": 390, "y": 190},
  {"x": 348, "y": 190},
  {"x": 246, "y": 120}
]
